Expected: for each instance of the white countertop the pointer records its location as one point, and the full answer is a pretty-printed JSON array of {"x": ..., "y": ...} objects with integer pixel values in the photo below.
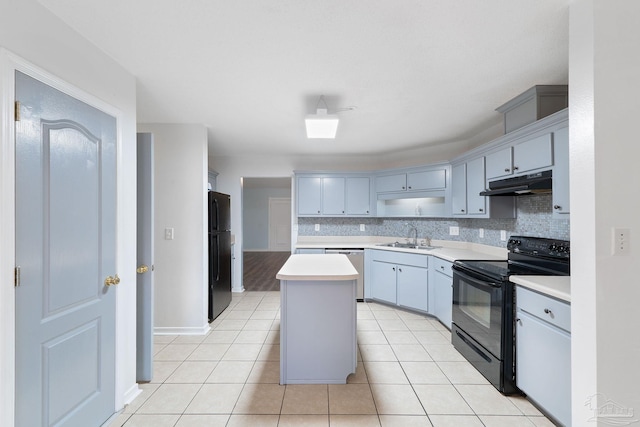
[
  {"x": 556, "y": 286},
  {"x": 310, "y": 267},
  {"x": 447, "y": 249}
]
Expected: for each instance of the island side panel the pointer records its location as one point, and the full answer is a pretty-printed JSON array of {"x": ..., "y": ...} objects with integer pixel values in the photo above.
[{"x": 317, "y": 331}]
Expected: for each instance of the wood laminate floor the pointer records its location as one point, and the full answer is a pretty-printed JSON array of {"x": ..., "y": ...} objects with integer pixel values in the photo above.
[{"x": 260, "y": 269}]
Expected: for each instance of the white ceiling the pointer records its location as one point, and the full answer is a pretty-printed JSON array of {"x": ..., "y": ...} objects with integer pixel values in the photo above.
[{"x": 420, "y": 72}]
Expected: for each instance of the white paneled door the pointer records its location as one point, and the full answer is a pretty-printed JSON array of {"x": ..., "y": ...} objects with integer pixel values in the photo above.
[
  {"x": 65, "y": 248},
  {"x": 279, "y": 224}
]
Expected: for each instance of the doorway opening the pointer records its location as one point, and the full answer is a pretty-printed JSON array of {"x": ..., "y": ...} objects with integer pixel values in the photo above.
[{"x": 266, "y": 231}]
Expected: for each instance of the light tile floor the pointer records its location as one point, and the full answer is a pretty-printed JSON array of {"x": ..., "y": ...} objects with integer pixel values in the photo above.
[{"x": 408, "y": 375}]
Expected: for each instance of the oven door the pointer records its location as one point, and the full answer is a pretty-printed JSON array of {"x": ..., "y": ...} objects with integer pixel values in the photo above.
[{"x": 478, "y": 308}]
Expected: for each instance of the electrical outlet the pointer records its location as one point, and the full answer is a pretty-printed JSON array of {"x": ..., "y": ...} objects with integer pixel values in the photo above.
[
  {"x": 503, "y": 235},
  {"x": 481, "y": 233},
  {"x": 168, "y": 233},
  {"x": 621, "y": 239},
  {"x": 454, "y": 231},
  {"x": 317, "y": 227},
  {"x": 361, "y": 227}
]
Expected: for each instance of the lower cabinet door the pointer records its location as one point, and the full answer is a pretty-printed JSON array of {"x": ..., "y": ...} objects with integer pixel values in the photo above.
[
  {"x": 443, "y": 297},
  {"x": 383, "y": 286},
  {"x": 413, "y": 285},
  {"x": 543, "y": 365}
]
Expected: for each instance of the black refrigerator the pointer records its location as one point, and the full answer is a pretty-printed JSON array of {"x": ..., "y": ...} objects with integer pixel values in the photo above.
[{"x": 219, "y": 253}]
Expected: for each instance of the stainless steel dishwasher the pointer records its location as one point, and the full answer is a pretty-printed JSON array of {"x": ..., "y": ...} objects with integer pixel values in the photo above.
[{"x": 356, "y": 256}]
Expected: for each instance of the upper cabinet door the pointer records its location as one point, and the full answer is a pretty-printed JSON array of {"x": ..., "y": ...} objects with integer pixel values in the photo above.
[
  {"x": 427, "y": 180},
  {"x": 561, "y": 172},
  {"x": 333, "y": 196},
  {"x": 476, "y": 204},
  {"x": 309, "y": 195},
  {"x": 459, "y": 189},
  {"x": 499, "y": 164},
  {"x": 358, "y": 196},
  {"x": 389, "y": 183},
  {"x": 533, "y": 154}
]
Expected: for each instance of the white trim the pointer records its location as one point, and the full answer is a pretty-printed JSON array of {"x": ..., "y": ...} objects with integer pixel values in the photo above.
[
  {"x": 9, "y": 63},
  {"x": 167, "y": 330}
]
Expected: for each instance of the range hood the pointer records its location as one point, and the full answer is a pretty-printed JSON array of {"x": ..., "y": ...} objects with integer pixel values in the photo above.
[{"x": 534, "y": 183}]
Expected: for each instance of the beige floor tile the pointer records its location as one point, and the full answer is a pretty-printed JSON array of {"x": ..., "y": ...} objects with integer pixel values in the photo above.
[
  {"x": 405, "y": 421},
  {"x": 418, "y": 325},
  {"x": 119, "y": 421},
  {"x": 245, "y": 352},
  {"x": 371, "y": 337},
  {"x": 354, "y": 421},
  {"x": 486, "y": 400},
  {"x": 265, "y": 372},
  {"x": 215, "y": 399},
  {"x": 394, "y": 399},
  {"x": 162, "y": 370},
  {"x": 260, "y": 399},
  {"x": 377, "y": 353},
  {"x": 252, "y": 421},
  {"x": 359, "y": 377},
  {"x": 166, "y": 339},
  {"x": 273, "y": 337},
  {"x": 246, "y": 305},
  {"x": 209, "y": 352},
  {"x": 192, "y": 372},
  {"x": 365, "y": 315},
  {"x": 147, "y": 391},
  {"x": 230, "y": 372},
  {"x": 355, "y": 399},
  {"x": 541, "y": 421},
  {"x": 310, "y": 399},
  {"x": 239, "y": 314},
  {"x": 424, "y": 373},
  {"x": 175, "y": 352},
  {"x": 455, "y": 421},
  {"x": 157, "y": 347},
  {"x": 251, "y": 337},
  {"x": 269, "y": 352},
  {"x": 275, "y": 325},
  {"x": 169, "y": 399},
  {"x": 374, "y": 306},
  {"x": 221, "y": 337},
  {"x": 265, "y": 314},
  {"x": 231, "y": 325},
  {"x": 431, "y": 338},
  {"x": 386, "y": 314},
  {"x": 400, "y": 337},
  {"x": 368, "y": 325},
  {"x": 410, "y": 353},
  {"x": 303, "y": 421},
  {"x": 140, "y": 420},
  {"x": 203, "y": 421},
  {"x": 189, "y": 339},
  {"x": 444, "y": 353},
  {"x": 462, "y": 373},
  {"x": 442, "y": 399},
  {"x": 505, "y": 421},
  {"x": 385, "y": 373},
  {"x": 258, "y": 325},
  {"x": 392, "y": 325},
  {"x": 268, "y": 306},
  {"x": 525, "y": 406}
]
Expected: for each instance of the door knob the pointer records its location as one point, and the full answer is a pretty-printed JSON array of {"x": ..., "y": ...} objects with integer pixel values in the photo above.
[
  {"x": 142, "y": 269},
  {"x": 111, "y": 280}
]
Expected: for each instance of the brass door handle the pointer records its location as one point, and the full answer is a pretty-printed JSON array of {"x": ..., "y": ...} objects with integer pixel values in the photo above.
[
  {"x": 142, "y": 269},
  {"x": 111, "y": 280}
]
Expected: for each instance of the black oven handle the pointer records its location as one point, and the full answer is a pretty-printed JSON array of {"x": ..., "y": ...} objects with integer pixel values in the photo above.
[{"x": 475, "y": 279}]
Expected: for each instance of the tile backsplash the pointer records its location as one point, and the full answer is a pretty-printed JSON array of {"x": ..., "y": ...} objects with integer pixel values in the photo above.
[{"x": 534, "y": 218}]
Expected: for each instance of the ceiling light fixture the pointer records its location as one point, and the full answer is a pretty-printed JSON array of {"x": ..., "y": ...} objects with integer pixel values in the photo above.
[{"x": 322, "y": 124}]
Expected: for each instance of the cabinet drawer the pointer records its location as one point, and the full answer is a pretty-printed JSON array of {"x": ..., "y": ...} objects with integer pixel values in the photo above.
[
  {"x": 442, "y": 266},
  {"x": 403, "y": 258},
  {"x": 551, "y": 310}
]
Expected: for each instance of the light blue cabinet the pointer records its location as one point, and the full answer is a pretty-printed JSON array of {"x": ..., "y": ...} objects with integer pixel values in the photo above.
[
  {"x": 543, "y": 352},
  {"x": 413, "y": 287},
  {"x": 333, "y": 195},
  {"x": 561, "y": 205},
  {"x": 459, "y": 189},
  {"x": 476, "y": 204},
  {"x": 467, "y": 181},
  {"x": 499, "y": 164},
  {"x": 520, "y": 158},
  {"x": 391, "y": 183},
  {"x": 383, "y": 281},
  {"x": 427, "y": 180},
  {"x": 441, "y": 290}
]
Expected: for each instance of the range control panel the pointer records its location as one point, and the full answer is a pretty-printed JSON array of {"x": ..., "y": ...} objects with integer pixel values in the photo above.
[{"x": 539, "y": 246}]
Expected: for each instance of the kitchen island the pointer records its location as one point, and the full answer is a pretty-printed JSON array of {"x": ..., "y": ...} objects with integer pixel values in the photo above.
[{"x": 317, "y": 319}]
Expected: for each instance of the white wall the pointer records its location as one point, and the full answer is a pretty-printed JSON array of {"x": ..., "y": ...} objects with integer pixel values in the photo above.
[
  {"x": 31, "y": 32},
  {"x": 604, "y": 83},
  {"x": 181, "y": 268}
]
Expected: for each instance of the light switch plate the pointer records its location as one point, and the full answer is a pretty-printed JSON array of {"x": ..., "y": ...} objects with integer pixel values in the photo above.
[
  {"x": 168, "y": 233},
  {"x": 503, "y": 235},
  {"x": 361, "y": 227},
  {"x": 621, "y": 241},
  {"x": 317, "y": 227},
  {"x": 454, "y": 231},
  {"x": 481, "y": 233}
]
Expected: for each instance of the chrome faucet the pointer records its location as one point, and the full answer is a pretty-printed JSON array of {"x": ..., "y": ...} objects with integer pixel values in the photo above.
[{"x": 415, "y": 233}]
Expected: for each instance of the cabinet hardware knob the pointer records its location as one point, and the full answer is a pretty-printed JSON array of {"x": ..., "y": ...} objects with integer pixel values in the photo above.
[
  {"x": 403, "y": 187},
  {"x": 409, "y": 187},
  {"x": 367, "y": 211},
  {"x": 549, "y": 312},
  {"x": 507, "y": 170},
  {"x": 480, "y": 209},
  {"x": 342, "y": 211},
  {"x": 519, "y": 321},
  {"x": 400, "y": 270},
  {"x": 442, "y": 267},
  {"x": 515, "y": 168},
  {"x": 394, "y": 269},
  {"x": 318, "y": 211},
  {"x": 557, "y": 207},
  {"x": 461, "y": 210}
]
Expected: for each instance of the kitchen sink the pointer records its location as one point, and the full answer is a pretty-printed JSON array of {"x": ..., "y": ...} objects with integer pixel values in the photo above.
[{"x": 409, "y": 246}]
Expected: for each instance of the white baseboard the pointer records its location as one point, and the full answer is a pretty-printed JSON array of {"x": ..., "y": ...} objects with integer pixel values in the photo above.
[
  {"x": 131, "y": 394},
  {"x": 182, "y": 330}
]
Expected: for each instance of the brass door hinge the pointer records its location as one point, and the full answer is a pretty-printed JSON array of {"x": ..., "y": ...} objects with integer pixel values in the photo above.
[
  {"x": 17, "y": 277},
  {"x": 17, "y": 111}
]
